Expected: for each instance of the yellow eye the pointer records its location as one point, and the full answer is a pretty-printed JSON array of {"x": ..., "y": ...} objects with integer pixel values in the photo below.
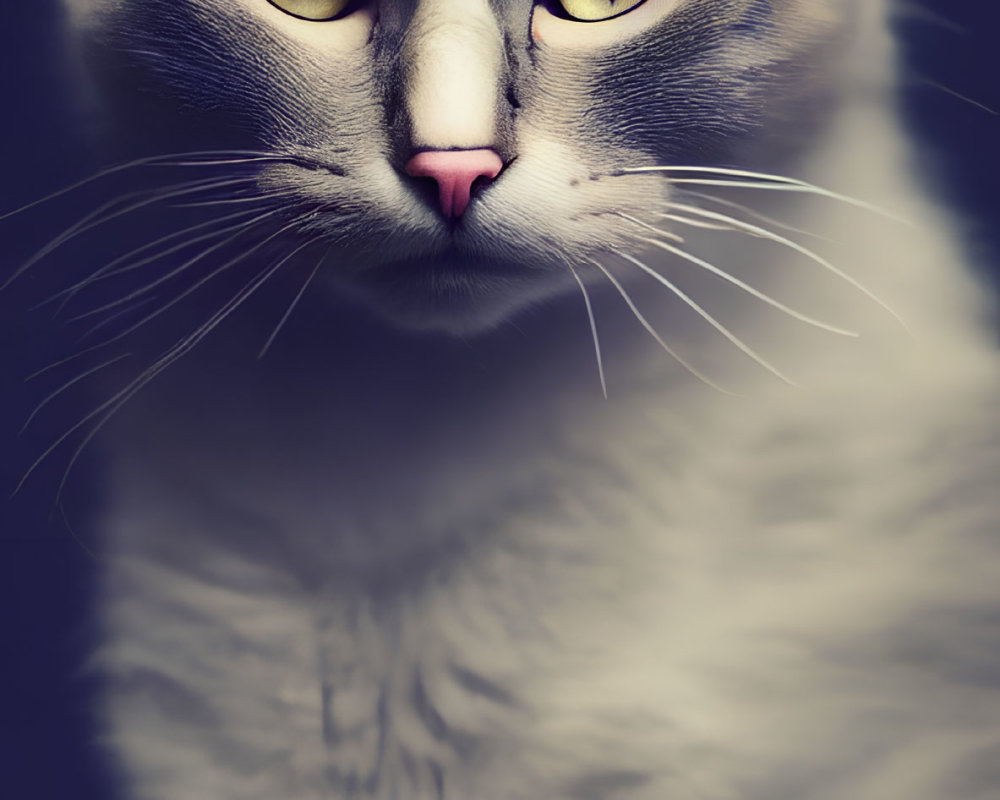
[
  {"x": 597, "y": 10},
  {"x": 316, "y": 10}
]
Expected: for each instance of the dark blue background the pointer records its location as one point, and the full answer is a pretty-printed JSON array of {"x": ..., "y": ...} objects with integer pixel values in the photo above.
[{"x": 47, "y": 575}]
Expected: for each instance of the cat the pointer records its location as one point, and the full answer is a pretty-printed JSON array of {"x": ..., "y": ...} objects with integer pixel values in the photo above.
[{"x": 590, "y": 456}]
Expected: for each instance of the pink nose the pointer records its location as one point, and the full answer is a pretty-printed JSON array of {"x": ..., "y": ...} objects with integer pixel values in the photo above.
[{"x": 455, "y": 171}]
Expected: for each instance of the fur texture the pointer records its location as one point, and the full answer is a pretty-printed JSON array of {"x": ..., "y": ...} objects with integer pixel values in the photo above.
[{"x": 390, "y": 563}]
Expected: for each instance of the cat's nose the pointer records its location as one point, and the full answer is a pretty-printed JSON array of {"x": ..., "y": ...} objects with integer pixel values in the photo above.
[{"x": 455, "y": 171}]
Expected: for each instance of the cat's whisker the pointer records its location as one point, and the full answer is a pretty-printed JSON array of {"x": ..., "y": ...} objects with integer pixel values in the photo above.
[
  {"x": 110, "y": 319},
  {"x": 108, "y": 270},
  {"x": 916, "y": 12},
  {"x": 696, "y": 223},
  {"x": 73, "y": 534},
  {"x": 718, "y": 326},
  {"x": 652, "y": 331},
  {"x": 110, "y": 407},
  {"x": 202, "y": 281},
  {"x": 57, "y": 364},
  {"x": 69, "y": 384},
  {"x": 87, "y": 222},
  {"x": 741, "y": 284},
  {"x": 593, "y": 328},
  {"x": 94, "y": 219},
  {"x": 162, "y": 309},
  {"x": 240, "y": 230},
  {"x": 224, "y": 162},
  {"x": 141, "y": 162},
  {"x": 957, "y": 95},
  {"x": 752, "y": 291},
  {"x": 292, "y": 306},
  {"x": 731, "y": 172},
  {"x": 235, "y": 200},
  {"x": 794, "y": 187},
  {"x": 762, "y": 180},
  {"x": 671, "y": 235},
  {"x": 813, "y": 256},
  {"x": 751, "y": 212}
]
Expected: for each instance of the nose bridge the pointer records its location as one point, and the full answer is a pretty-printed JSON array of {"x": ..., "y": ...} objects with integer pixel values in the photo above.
[{"x": 454, "y": 52}]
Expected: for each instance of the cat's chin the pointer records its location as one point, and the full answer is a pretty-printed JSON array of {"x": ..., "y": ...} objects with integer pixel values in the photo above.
[{"x": 460, "y": 296}]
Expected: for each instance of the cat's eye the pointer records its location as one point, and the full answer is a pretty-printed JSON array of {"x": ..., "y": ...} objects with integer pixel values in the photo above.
[
  {"x": 314, "y": 10},
  {"x": 597, "y": 10}
]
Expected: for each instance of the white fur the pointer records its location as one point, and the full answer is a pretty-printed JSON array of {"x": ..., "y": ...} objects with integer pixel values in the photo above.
[{"x": 454, "y": 52}]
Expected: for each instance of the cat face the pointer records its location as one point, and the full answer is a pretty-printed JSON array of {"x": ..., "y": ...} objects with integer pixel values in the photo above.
[{"x": 526, "y": 113}]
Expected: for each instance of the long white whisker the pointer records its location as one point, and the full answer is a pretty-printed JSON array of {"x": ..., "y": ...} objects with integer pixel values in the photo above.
[
  {"x": 66, "y": 386},
  {"x": 593, "y": 329},
  {"x": 768, "y": 179},
  {"x": 198, "y": 284},
  {"x": 958, "y": 95},
  {"x": 222, "y": 162},
  {"x": 696, "y": 223},
  {"x": 94, "y": 220},
  {"x": 798, "y": 248},
  {"x": 652, "y": 331},
  {"x": 108, "y": 270},
  {"x": 752, "y": 213},
  {"x": 240, "y": 230},
  {"x": 73, "y": 534},
  {"x": 185, "y": 345},
  {"x": 753, "y": 292},
  {"x": 117, "y": 315},
  {"x": 59, "y": 363},
  {"x": 795, "y": 187},
  {"x": 87, "y": 222},
  {"x": 141, "y": 162},
  {"x": 232, "y": 201},
  {"x": 736, "y": 173},
  {"x": 746, "y": 287},
  {"x": 166, "y": 306},
  {"x": 187, "y": 243},
  {"x": 722, "y": 329},
  {"x": 292, "y": 306}
]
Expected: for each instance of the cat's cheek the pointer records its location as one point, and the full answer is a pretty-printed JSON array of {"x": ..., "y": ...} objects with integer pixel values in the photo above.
[
  {"x": 336, "y": 36},
  {"x": 553, "y": 31}
]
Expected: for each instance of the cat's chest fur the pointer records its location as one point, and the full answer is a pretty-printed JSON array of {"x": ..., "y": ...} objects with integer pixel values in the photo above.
[
  {"x": 644, "y": 607},
  {"x": 514, "y": 593}
]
